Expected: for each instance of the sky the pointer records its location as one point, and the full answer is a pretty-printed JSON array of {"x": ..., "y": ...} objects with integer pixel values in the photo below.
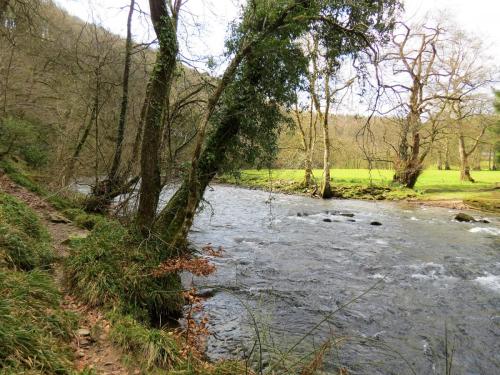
[{"x": 210, "y": 19}]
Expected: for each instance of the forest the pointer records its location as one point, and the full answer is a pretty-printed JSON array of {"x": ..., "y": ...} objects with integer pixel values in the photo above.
[{"x": 322, "y": 198}]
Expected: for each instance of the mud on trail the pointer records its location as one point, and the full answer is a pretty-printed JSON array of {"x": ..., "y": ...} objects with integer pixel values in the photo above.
[{"x": 91, "y": 343}]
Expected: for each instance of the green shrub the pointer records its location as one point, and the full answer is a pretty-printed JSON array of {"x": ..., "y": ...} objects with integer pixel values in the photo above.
[
  {"x": 36, "y": 156},
  {"x": 109, "y": 267}
]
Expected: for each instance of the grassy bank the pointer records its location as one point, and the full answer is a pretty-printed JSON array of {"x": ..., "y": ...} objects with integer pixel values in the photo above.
[
  {"x": 110, "y": 271},
  {"x": 376, "y": 184},
  {"x": 35, "y": 332}
]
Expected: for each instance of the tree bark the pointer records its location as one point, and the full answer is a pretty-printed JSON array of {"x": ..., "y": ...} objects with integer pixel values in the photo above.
[
  {"x": 409, "y": 168},
  {"x": 464, "y": 161},
  {"x": 159, "y": 88},
  {"x": 113, "y": 174},
  {"x": 326, "y": 191}
]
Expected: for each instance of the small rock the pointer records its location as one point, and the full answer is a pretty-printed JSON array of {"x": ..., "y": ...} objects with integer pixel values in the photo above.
[
  {"x": 327, "y": 220},
  {"x": 83, "y": 332},
  {"x": 205, "y": 293},
  {"x": 376, "y": 223},
  {"x": 80, "y": 354},
  {"x": 484, "y": 221},
  {"x": 462, "y": 217},
  {"x": 55, "y": 218},
  {"x": 347, "y": 214},
  {"x": 351, "y": 220},
  {"x": 299, "y": 214},
  {"x": 83, "y": 343}
]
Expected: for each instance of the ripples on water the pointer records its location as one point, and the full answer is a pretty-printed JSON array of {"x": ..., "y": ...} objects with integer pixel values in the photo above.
[{"x": 291, "y": 271}]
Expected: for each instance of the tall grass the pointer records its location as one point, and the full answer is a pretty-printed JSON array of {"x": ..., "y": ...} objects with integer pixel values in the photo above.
[{"x": 34, "y": 330}]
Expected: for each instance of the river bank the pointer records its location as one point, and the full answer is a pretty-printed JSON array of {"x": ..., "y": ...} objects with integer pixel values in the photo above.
[{"x": 435, "y": 188}]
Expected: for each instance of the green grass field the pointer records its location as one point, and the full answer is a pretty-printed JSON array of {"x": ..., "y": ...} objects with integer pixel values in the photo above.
[{"x": 432, "y": 184}]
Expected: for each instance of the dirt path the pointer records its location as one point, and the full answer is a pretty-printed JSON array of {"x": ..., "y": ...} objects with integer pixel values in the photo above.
[{"x": 91, "y": 342}]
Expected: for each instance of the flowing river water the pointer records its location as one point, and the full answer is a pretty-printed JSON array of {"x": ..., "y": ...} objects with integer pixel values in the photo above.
[{"x": 285, "y": 270}]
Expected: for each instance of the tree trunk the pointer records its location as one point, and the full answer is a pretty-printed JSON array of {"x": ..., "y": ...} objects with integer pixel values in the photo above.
[
  {"x": 408, "y": 170},
  {"x": 105, "y": 191},
  {"x": 172, "y": 218},
  {"x": 440, "y": 161},
  {"x": 464, "y": 161},
  {"x": 326, "y": 191},
  {"x": 477, "y": 159},
  {"x": 447, "y": 157},
  {"x": 308, "y": 171},
  {"x": 159, "y": 87},
  {"x": 113, "y": 174}
]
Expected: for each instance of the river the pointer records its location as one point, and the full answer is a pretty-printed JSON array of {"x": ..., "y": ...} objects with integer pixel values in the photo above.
[{"x": 288, "y": 269}]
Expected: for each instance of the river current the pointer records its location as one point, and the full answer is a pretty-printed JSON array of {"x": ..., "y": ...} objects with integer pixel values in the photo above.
[{"x": 291, "y": 263}]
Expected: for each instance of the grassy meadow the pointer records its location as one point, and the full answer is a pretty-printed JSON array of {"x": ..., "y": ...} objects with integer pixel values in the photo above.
[{"x": 377, "y": 184}]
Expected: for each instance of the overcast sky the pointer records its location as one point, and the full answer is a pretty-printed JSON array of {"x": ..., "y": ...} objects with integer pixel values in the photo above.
[{"x": 210, "y": 19}]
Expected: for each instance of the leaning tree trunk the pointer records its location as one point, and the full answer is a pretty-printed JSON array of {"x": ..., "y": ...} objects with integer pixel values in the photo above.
[
  {"x": 159, "y": 87},
  {"x": 464, "y": 161},
  {"x": 170, "y": 222}
]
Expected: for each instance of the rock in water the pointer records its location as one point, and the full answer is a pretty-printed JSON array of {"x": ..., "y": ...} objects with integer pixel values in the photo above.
[
  {"x": 376, "y": 223},
  {"x": 462, "y": 217},
  {"x": 327, "y": 220}
]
